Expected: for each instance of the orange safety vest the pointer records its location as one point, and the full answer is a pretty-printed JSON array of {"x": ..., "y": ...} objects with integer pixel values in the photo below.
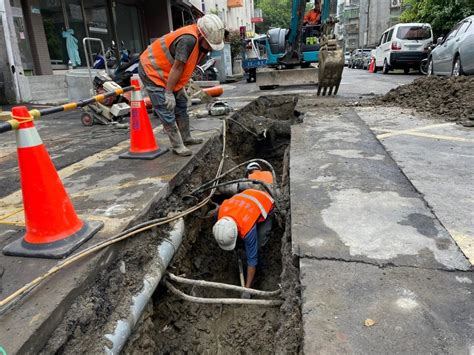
[
  {"x": 264, "y": 176},
  {"x": 247, "y": 208},
  {"x": 157, "y": 60},
  {"x": 312, "y": 17}
]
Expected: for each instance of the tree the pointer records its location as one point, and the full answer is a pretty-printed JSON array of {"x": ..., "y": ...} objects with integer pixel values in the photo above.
[
  {"x": 276, "y": 13},
  {"x": 441, "y": 14}
]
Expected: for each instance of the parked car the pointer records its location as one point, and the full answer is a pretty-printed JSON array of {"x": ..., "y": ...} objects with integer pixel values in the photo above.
[
  {"x": 347, "y": 56},
  {"x": 454, "y": 54},
  {"x": 403, "y": 46},
  {"x": 363, "y": 58}
]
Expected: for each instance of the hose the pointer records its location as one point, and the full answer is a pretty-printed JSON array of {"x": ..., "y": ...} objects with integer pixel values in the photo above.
[
  {"x": 117, "y": 238},
  {"x": 235, "y": 168},
  {"x": 222, "y": 286},
  {"x": 258, "y": 182},
  {"x": 240, "y": 301}
]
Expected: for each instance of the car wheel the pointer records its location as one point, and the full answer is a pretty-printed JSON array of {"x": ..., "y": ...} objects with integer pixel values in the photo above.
[
  {"x": 430, "y": 67},
  {"x": 406, "y": 70},
  {"x": 385, "y": 68},
  {"x": 457, "y": 67}
]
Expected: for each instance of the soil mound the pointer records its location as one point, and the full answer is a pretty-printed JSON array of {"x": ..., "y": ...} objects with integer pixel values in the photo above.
[{"x": 448, "y": 98}]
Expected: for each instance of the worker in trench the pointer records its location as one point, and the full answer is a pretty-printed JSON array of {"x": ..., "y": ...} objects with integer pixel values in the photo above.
[
  {"x": 248, "y": 215},
  {"x": 165, "y": 68}
]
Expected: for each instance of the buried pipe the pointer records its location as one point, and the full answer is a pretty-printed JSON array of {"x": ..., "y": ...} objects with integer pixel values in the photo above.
[
  {"x": 223, "y": 286},
  {"x": 159, "y": 264},
  {"x": 240, "y": 301}
]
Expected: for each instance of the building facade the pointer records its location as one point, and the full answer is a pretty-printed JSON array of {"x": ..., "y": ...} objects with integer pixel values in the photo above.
[
  {"x": 37, "y": 31},
  {"x": 234, "y": 13},
  {"x": 362, "y": 22}
]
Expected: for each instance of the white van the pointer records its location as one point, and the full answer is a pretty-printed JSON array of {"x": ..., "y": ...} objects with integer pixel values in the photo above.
[{"x": 403, "y": 46}]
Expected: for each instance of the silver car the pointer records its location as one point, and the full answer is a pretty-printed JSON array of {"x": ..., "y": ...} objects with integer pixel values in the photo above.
[{"x": 454, "y": 54}]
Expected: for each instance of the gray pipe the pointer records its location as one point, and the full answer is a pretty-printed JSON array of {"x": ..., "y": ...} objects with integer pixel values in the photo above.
[{"x": 160, "y": 262}]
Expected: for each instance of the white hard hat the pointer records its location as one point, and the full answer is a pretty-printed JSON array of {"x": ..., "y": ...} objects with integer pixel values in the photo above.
[
  {"x": 253, "y": 166},
  {"x": 212, "y": 29},
  {"x": 225, "y": 231}
]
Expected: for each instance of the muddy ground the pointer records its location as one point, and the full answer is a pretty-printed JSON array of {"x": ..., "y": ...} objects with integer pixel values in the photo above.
[
  {"x": 170, "y": 325},
  {"x": 442, "y": 97}
]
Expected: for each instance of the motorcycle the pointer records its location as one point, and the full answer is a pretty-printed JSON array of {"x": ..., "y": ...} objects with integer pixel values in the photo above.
[
  {"x": 122, "y": 71},
  {"x": 206, "y": 71}
]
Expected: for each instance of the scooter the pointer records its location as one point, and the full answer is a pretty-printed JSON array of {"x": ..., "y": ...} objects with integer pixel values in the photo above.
[
  {"x": 111, "y": 111},
  {"x": 207, "y": 71}
]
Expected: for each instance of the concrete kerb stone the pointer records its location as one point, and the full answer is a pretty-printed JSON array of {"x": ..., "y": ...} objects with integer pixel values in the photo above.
[{"x": 37, "y": 315}]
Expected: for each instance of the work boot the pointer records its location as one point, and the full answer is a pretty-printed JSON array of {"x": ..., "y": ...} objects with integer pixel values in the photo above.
[
  {"x": 176, "y": 141},
  {"x": 183, "y": 125}
]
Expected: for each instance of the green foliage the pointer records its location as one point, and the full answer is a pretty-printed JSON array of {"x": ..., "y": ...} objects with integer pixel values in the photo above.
[
  {"x": 236, "y": 44},
  {"x": 441, "y": 14},
  {"x": 276, "y": 13}
]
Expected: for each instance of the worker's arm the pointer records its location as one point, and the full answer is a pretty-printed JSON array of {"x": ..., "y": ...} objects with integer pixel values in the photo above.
[
  {"x": 175, "y": 74},
  {"x": 251, "y": 249}
]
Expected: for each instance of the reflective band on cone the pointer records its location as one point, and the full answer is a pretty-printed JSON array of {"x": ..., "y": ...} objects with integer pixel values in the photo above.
[
  {"x": 53, "y": 229},
  {"x": 142, "y": 139}
]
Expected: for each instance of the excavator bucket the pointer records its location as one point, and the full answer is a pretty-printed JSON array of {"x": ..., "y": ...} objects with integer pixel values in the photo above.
[{"x": 331, "y": 64}]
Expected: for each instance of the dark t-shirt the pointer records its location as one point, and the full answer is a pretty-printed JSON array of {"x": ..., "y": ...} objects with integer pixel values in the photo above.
[{"x": 182, "y": 47}]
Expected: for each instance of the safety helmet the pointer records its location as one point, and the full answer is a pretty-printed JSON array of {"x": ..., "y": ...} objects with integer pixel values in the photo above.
[
  {"x": 212, "y": 29},
  {"x": 225, "y": 231},
  {"x": 253, "y": 166}
]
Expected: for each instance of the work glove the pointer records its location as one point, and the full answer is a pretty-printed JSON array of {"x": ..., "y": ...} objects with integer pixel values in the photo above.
[
  {"x": 245, "y": 296},
  {"x": 170, "y": 101}
]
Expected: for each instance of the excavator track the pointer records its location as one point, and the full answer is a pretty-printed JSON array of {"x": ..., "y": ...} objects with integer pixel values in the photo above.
[{"x": 331, "y": 65}]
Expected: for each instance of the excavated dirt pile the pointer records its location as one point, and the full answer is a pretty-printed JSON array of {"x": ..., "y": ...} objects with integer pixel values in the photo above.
[
  {"x": 442, "y": 97},
  {"x": 170, "y": 325}
]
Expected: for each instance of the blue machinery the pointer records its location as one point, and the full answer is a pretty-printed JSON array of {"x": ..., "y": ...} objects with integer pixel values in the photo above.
[{"x": 301, "y": 46}]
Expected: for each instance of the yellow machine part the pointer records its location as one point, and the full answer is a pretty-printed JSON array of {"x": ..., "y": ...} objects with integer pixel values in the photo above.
[{"x": 331, "y": 65}]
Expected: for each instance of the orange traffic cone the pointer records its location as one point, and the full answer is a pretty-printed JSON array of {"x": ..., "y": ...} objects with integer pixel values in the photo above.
[
  {"x": 372, "y": 65},
  {"x": 142, "y": 140},
  {"x": 53, "y": 229}
]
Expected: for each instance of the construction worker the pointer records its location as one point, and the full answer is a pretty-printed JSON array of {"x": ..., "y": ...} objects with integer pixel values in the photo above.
[
  {"x": 247, "y": 215},
  {"x": 165, "y": 68},
  {"x": 313, "y": 16},
  {"x": 254, "y": 172}
]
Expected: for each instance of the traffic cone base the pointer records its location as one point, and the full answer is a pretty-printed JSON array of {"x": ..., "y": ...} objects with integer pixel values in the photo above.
[
  {"x": 142, "y": 139},
  {"x": 146, "y": 156},
  {"x": 55, "y": 250}
]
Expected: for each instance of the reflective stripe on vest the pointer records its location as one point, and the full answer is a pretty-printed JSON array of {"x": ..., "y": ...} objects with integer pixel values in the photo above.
[
  {"x": 257, "y": 202},
  {"x": 154, "y": 64},
  {"x": 166, "y": 51},
  {"x": 27, "y": 137}
]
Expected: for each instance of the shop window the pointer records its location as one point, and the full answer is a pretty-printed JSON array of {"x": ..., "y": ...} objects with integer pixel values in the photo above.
[{"x": 128, "y": 28}]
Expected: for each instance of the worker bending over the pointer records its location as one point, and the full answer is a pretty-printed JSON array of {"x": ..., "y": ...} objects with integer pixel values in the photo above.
[
  {"x": 247, "y": 215},
  {"x": 166, "y": 67},
  {"x": 313, "y": 16}
]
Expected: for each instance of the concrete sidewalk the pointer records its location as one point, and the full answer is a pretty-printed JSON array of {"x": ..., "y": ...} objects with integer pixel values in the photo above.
[
  {"x": 102, "y": 187},
  {"x": 371, "y": 248}
]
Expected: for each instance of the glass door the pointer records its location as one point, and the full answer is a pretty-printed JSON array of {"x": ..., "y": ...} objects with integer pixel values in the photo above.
[
  {"x": 54, "y": 25},
  {"x": 128, "y": 27},
  {"x": 76, "y": 23}
]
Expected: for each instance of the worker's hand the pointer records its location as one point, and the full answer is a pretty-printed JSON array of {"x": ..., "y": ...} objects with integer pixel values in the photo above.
[
  {"x": 183, "y": 93},
  {"x": 245, "y": 296},
  {"x": 170, "y": 101}
]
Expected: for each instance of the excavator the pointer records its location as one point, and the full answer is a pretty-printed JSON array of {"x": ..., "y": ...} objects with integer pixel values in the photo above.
[{"x": 290, "y": 53}]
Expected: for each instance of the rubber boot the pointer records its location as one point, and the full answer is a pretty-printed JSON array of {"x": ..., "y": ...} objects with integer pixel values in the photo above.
[
  {"x": 176, "y": 141},
  {"x": 183, "y": 125}
]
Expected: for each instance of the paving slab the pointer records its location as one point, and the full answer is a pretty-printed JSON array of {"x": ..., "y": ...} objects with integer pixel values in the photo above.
[
  {"x": 415, "y": 311},
  {"x": 350, "y": 201},
  {"x": 438, "y": 158},
  {"x": 102, "y": 187}
]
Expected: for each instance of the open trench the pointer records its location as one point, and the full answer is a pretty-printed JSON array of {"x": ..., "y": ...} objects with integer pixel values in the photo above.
[{"x": 170, "y": 325}]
